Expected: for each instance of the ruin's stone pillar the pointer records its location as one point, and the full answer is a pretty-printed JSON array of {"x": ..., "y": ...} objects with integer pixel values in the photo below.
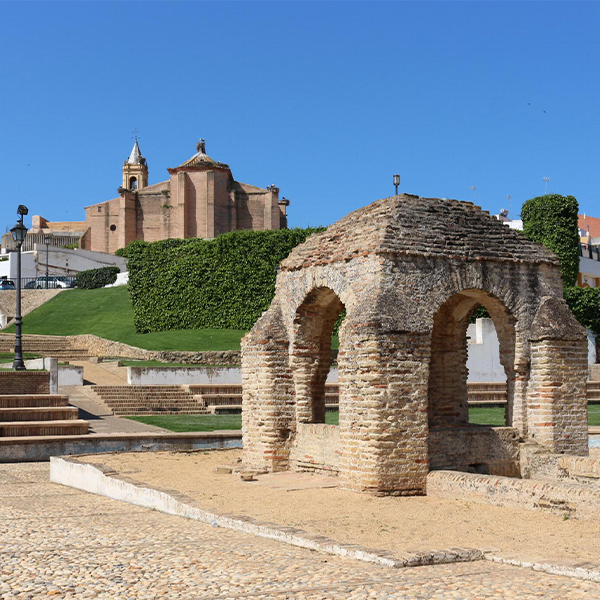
[
  {"x": 267, "y": 395},
  {"x": 556, "y": 395},
  {"x": 383, "y": 411}
]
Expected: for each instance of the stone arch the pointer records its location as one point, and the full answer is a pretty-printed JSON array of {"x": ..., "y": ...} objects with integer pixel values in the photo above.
[
  {"x": 447, "y": 386},
  {"x": 310, "y": 352}
]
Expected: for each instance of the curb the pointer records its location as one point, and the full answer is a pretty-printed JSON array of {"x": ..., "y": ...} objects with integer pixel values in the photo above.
[
  {"x": 100, "y": 480},
  {"x": 585, "y": 571}
]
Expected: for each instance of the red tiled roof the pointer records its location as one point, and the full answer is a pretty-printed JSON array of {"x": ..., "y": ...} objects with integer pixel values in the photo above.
[{"x": 592, "y": 222}]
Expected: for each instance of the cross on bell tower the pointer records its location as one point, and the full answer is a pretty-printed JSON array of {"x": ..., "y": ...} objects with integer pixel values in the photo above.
[{"x": 135, "y": 169}]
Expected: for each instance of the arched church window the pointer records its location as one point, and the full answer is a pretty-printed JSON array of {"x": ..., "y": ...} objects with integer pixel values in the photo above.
[{"x": 133, "y": 183}]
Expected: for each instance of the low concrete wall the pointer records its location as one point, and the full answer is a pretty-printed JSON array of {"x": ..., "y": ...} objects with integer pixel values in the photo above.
[
  {"x": 70, "y": 375},
  {"x": 43, "y": 448},
  {"x": 182, "y": 375},
  {"x": 560, "y": 498},
  {"x": 193, "y": 375}
]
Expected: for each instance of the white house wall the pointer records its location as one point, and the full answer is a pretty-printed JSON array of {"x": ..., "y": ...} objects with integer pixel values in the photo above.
[{"x": 483, "y": 359}]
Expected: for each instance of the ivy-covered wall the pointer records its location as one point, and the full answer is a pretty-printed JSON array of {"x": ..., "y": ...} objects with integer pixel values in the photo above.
[
  {"x": 224, "y": 283},
  {"x": 552, "y": 220}
]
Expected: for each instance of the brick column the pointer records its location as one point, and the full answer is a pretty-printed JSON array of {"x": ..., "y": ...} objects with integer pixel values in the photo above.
[
  {"x": 556, "y": 395},
  {"x": 268, "y": 402},
  {"x": 383, "y": 412}
]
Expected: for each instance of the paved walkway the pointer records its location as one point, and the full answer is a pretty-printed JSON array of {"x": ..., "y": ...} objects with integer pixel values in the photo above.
[{"x": 59, "y": 542}]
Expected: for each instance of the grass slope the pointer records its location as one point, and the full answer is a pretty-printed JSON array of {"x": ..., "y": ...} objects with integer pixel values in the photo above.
[{"x": 107, "y": 312}]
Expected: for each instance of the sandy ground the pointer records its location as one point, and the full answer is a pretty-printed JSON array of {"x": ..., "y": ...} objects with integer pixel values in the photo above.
[{"x": 390, "y": 523}]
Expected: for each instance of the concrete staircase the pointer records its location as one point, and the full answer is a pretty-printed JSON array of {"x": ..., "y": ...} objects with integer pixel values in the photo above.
[
  {"x": 139, "y": 400},
  {"x": 39, "y": 415},
  {"x": 593, "y": 392},
  {"x": 55, "y": 346},
  {"x": 197, "y": 399},
  {"x": 486, "y": 394}
]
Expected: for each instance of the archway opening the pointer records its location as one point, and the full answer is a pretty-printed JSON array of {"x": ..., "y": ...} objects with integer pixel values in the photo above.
[
  {"x": 454, "y": 441},
  {"x": 316, "y": 341},
  {"x": 133, "y": 183},
  {"x": 486, "y": 380}
]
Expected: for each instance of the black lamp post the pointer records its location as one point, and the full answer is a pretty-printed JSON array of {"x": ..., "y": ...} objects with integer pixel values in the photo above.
[
  {"x": 47, "y": 239},
  {"x": 19, "y": 231},
  {"x": 396, "y": 182}
]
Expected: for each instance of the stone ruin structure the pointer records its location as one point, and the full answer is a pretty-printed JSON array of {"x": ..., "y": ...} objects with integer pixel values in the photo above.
[{"x": 410, "y": 272}]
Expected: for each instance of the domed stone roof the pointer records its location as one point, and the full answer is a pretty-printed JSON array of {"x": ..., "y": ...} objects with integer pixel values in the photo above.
[{"x": 411, "y": 225}]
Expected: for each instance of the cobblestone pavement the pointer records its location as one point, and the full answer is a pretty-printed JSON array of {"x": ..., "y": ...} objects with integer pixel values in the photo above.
[{"x": 63, "y": 543}]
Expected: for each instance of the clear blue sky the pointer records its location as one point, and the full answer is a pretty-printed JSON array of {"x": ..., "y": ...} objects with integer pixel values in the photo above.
[{"x": 324, "y": 99}]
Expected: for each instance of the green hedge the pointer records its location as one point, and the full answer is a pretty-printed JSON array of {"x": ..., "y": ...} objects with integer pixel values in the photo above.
[
  {"x": 96, "y": 278},
  {"x": 224, "y": 283},
  {"x": 552, "y": 220},
  {"x": 585, "y": 304}
]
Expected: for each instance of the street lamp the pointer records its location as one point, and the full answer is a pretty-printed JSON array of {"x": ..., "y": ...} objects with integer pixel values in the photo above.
[
  {"x": 47, "y": 239},
  {"x": 396, "y": 182},
  {"x": 19, "y": 231},
  {"x": 546, "y": 180}
]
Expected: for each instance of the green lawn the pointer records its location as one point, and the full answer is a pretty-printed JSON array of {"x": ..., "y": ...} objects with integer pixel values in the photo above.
[
  {"x": 192, "y": 422},
  {"x": 8, "y": 357},
  {"x": 481, "y": 416},
  {"x": 495, "y": 415},
  {"x": 107, "y": 312}
]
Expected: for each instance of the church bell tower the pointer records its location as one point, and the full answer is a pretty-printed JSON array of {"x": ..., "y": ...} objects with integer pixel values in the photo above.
[{"x": 135, "y": 170}]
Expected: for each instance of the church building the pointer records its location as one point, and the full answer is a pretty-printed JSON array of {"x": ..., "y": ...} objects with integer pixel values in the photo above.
[{"x": 200, "y": 199}]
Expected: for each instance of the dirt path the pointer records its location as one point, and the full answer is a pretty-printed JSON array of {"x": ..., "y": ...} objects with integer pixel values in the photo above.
[{"x": 394, "y": 524}]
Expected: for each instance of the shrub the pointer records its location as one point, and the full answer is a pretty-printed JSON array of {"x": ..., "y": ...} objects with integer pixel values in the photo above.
[
  {"x": 552, "y": 220},
  {"x": 585, "y": 304},
  {"x": 96, "y": 278},
  {"x": 224, "y": 283}
]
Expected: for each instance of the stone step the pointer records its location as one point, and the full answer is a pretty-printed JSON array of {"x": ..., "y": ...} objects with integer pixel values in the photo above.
[
  {"x": 52, "y": 413},
  {"x": 32, "y": 400},
  {"x": 37, "y": 428},
  {"x": 221, "y": 409}
]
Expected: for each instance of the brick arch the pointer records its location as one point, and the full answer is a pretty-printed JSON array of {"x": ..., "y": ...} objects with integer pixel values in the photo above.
[
  {"x": 310, "y": 351},
  {"x": 447, "y": 386}
]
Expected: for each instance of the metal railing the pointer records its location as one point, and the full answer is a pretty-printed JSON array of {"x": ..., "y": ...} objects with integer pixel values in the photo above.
[{"x": 589, "y": 251}]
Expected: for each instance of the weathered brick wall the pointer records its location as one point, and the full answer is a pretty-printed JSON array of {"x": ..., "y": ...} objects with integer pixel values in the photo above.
[
  {"x": 492, "y": 450},
  {"x": 560, "y": 498},
  {"x": 24, "y": 382},
  {"x": 316, "y": 448}
]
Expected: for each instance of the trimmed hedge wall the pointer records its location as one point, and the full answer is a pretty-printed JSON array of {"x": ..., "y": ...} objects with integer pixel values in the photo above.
[
  {"x": 224, "y": 283},
  {"x": 96, "y": 278},
  {"x": 552, "y": 220}
]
